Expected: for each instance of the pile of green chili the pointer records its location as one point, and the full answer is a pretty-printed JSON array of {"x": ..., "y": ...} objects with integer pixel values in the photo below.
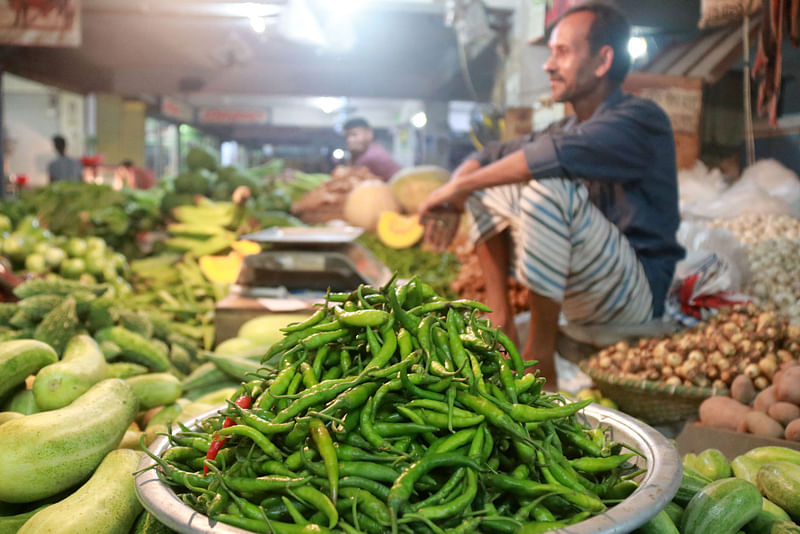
[{"x": 395, "y": 410}]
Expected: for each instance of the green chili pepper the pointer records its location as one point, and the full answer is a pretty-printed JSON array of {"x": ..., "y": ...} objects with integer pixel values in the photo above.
[
  {"x": 258, "y": 438},
  {"x": 313, "y": 319},
  {"x": 266, "y": 483},
  {"x": 393, "y": 430},
  {"x": 314, "y": 341},
  {"x": 369, "y": 504},
  {"x": 368, "y": 317},
  {"x": 507, "y": 379},
  {"x": 599, "y": 465},
  {"x": 322, "y": 439},
  {"x": 404, "y": 485},
  {"x": 529, "y": 414}
]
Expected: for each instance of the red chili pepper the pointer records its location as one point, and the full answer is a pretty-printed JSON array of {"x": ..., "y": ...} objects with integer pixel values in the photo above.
[{"x": 216, "y": 444}]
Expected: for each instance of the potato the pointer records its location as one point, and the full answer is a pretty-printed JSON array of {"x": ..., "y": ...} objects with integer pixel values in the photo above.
[
  {"x": 723, "y": 412},
  {"x": 787, "y": 386},
  {"x": 784, "y": 412},
  {"x": 761, "y": 424},
  {"x": 793, "y": 430},
  {"x": 765, "y": 399},
  {"x": 742, "y": 389}
]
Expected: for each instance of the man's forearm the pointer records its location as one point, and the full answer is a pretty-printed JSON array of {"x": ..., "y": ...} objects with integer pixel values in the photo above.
[{"x": 508, "y": 170}]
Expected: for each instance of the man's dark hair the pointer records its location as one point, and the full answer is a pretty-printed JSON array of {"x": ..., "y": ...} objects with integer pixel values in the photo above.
[
  {"x": 609, "y": 27},
  {"x": 356, "y": 123},
  {"x": 127, "y": 163},
  {"x": 60, "y": 144}
]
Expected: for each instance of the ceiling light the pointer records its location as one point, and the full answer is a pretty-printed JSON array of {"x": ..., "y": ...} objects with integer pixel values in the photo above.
[
  {"x": 419, "y": 119},
  {"x": 637, "y": 47},
  {"x": 338, "y": 153},
  {"x": 258, "y": 24},
  {"x": 329, "y": 104}
]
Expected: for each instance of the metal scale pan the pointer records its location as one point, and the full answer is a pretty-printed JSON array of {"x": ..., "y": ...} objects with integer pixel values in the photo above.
[{"x": 308, "y": 259}]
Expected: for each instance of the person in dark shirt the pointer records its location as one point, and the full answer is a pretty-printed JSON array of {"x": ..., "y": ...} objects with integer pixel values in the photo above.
[
  {"x": 64, "y": 168},
  {"x": 365, "y": 151},
  {"x": 584, "y": 213}
]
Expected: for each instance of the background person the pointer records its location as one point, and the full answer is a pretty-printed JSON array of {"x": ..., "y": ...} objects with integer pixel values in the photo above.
[
  {"x": 64, "y": 168},
  {"x": 365, "y": 151}
]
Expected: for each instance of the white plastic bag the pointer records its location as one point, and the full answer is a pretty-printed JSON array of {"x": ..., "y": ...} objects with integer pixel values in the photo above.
[{"x": 773, "y": 178}]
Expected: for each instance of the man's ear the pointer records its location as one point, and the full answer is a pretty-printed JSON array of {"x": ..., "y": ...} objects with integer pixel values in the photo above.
[{"x": 605, "y": 57}]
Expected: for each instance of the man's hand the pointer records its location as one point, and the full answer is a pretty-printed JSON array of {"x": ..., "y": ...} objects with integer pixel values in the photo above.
[{"x": 441, "y": 215}]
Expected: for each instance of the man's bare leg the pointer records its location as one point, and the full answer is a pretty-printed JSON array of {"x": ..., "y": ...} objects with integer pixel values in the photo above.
[
  {"x": 542, "y": 334},
  {"x": 493, "y": 255}
]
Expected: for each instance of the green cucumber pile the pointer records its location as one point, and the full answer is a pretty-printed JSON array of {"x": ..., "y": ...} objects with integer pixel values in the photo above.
[
  {"x": 392, "y": 409},
  {"x": 757, "y": 493}
]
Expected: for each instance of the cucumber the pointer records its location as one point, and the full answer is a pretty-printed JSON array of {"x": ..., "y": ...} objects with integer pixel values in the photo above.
[
  {"x": 675, "y": 512},
  {"x": 204, "y": 375},
  {"x": 58, "y": 326},
  {"x": 47, "y": 452},
  {"x": 7, "y": 310},
  {"x": 9, "y": 416},
  {"x": 21, "y": 320},
  {"x": 746, "y": 468},
  {"x": 211, "y": 389},
  {"x": 38, "y": 306},
  {"x": 237, "y": 368},
  {"x": 168, "y": 414},
  {"x": 155, "y": 389},
  {"x": 125, "y": 370},
  {"x": 180, "y": 358},
  {"x": 82, "y": 366},
  {"x": 660, "y": 524},
  {"x": 136, "y": 322},
  {"x": 770, "y": 514},
  {"x": 722, "y": 507},
  {"x": 55, "y": 286},
  {"x": 148, "y": 524},
  {"x": 22, "y": 402},
  {"x": 100, "y": 315},
  {"x": 713, "y": 464},
  {"x": 10, "y": 524},
  {"x": 785, "y": 527},
  {"x": 135, "y": 347},
  {"x": 780, "y": 483},
  {"x": 110, "y": 350},
  {"x": 691, "y": 483},
  {"x": 21, "y": 358},
  {"x": 774, "y": 454},
  {"x": 105, "y": 504}
]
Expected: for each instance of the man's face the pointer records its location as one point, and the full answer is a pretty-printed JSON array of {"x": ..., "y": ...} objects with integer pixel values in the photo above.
[
  {"x": 571, "y": 67},
  {"x": 358, "y": 139}
]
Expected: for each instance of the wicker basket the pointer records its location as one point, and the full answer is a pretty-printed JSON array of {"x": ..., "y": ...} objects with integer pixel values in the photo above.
[{"x": 652, "y": 402}]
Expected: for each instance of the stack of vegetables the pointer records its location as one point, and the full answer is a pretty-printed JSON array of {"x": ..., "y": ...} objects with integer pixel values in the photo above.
[
  {"x": 739, "y": 340},
  {"x": 81, "y": 210},
  {"x": 774, "y": 412},
  {"x": 756, "y": 493},
  {"x": 394, "y": 408}
]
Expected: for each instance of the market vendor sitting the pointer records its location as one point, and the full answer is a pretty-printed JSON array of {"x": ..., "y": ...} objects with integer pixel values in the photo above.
[{"x": 584, "y": 213}]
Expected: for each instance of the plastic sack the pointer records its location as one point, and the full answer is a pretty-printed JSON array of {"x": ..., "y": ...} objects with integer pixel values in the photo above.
[
  {"x": 773, "y": 178},
  {"x": 719, "y": 12},
  {"x": 710, "y": 277},
  {"x": 698, "y": 186}
]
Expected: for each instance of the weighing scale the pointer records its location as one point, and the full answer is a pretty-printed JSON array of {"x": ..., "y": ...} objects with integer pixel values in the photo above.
[{"x": 298, "y": 266}]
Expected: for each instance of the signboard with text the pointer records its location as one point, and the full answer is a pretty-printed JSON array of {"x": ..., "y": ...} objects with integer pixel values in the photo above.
[
  {"x": 233, "y": 116},
  {"x": 176, "y": 109},
  {"x": 40, "y": 23}
]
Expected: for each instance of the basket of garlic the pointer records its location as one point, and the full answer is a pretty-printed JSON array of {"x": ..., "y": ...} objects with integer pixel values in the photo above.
[{"x": 664, "y": 380}]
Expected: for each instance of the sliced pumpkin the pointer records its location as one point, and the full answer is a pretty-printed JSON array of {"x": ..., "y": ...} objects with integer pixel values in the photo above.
[
  {"x": 399, "y": 231},
  {"x": 246, "y": 248},
  {"x": 221, "y": 269}
]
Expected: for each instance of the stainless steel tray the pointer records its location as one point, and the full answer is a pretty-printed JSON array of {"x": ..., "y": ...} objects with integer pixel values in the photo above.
[{"x": 656, "y": 487}]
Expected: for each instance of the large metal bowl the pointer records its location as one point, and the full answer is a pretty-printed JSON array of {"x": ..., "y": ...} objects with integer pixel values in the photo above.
[{"x": 656, "y": 487}]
